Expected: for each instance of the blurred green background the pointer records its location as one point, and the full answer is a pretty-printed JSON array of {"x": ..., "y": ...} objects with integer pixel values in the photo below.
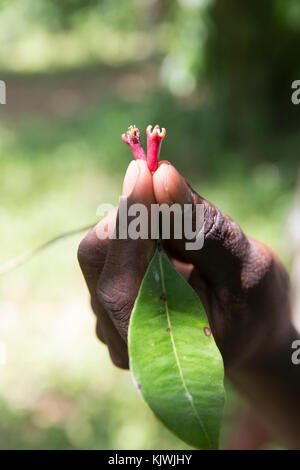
[{"x": 217, "y": 74}]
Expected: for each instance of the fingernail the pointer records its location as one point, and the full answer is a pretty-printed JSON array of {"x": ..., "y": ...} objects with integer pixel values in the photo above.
[
  {"x": 130, "y": 179},
  {"x": 166, "y": 182}
]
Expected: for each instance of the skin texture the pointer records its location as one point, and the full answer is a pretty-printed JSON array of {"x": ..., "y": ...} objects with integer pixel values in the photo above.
[{"x": 240, "y": 281}]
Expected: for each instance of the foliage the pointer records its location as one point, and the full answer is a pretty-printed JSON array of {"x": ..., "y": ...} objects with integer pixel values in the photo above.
[
  {"x": 217, "y": 76},
  {"x": 175, "y": 362}
]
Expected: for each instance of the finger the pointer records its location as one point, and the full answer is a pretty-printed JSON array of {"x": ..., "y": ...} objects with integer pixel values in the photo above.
[
  {"x": 93, "y": 249},
  {"x": 116, "y": 345},
  {"x": 225, "y": 246},
  {"x": 127, "y": 259},
  {"x": 92, "y": 252}
]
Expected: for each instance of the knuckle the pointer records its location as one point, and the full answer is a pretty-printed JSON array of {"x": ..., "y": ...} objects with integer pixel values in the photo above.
[
  {"x": 233, "y": 234},
  {"x": 221, "y": 228},
  {"x": 259, "y": 265},
  {"x": 214, "y": 222},
  {"x": 116, "y": 301}
]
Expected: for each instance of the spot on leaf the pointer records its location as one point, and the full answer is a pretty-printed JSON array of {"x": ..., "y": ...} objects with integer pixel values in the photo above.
[{"x": 207, "y": 331}]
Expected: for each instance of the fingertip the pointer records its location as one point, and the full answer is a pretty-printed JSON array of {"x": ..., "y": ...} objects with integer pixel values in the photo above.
[
  {"x": 160, "y": 183},
  {"x": 170, "y": 187},
  {"x": 142, "y": 164},
  {"x": 130, "y": 178},
  {"x": 138, "y": 182},
  {"x": 144, "y": 173}
]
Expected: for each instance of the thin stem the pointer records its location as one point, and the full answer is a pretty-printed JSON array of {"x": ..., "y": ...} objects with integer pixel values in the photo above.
[{"x": 22, "y": 259}]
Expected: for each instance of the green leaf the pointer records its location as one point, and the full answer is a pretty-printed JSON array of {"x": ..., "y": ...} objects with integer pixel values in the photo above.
[{"x": 174, "y": 360}]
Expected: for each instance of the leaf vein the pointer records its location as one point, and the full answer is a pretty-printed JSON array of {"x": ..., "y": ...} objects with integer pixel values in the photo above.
[{"x": 188, "y": 394}]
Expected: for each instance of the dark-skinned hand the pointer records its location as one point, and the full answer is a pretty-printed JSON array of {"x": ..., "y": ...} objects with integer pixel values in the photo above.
[{"x": 240, "y": 281}]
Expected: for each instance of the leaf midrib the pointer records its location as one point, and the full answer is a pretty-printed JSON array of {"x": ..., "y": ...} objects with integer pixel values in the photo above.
[{"x": 176, "y": 354}]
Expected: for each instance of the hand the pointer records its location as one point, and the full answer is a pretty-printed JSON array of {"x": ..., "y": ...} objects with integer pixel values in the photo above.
[
  {"x": 113, "y": 268},
  {"x": 241, "y": 283}
]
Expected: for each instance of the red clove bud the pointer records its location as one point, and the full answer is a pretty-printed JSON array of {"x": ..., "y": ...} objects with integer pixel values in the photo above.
[
  {"x": 154, "y": 140},
  {"x": 132, "y": 138}
]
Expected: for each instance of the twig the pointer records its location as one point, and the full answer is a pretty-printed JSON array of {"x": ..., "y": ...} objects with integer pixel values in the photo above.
[{"x": 21, "y": 259}]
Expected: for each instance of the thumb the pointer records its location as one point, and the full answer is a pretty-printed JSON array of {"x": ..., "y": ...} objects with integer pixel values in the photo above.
[
  {"x": 127, "y": 258},
  {"x": 225, "y": 247}
]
